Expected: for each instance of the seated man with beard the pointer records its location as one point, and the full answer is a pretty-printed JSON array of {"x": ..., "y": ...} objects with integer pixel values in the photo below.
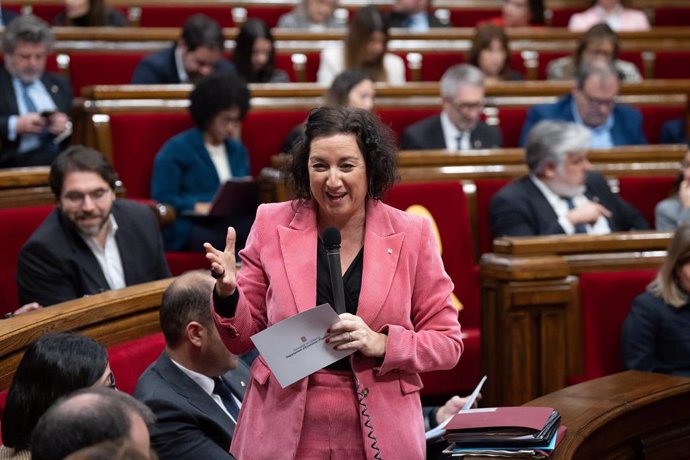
[
  {"x": 197, "y": 53},
  {"x": 91, "y": 242},
  {"x": 560, "y": 194}
]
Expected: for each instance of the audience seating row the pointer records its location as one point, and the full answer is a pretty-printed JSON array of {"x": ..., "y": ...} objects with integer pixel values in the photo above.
[
  {"x": 110, "y": 56},
  {"x": 459, "y": 13},
  {"x": 112, "y": 125}
]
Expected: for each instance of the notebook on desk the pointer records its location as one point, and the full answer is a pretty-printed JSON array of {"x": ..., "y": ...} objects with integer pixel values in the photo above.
[{"x": 236, "y": 197}]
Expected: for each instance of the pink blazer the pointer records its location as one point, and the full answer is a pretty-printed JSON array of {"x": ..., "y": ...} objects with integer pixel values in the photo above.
[
  {"x": 405, "y": 293},
  {"x": 630, "y": 20}
]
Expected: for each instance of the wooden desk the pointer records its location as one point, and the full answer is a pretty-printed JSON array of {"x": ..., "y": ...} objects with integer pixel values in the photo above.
[
  {"x": 630, "y": 415},
  {"x": 531, "y": 321}
]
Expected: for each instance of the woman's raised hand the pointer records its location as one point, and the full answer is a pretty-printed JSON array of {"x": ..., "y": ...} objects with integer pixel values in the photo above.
[{"x": 223, "y": 265}]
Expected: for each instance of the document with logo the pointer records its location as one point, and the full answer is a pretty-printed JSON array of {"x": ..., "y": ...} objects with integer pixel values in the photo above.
[{"x": 296, "y": 347}]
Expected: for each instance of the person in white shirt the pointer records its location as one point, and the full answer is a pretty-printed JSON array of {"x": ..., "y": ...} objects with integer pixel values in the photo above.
[
  {"x": 560, "y": 194},
  {"x": 459, "y": 125},
  {"x": 613, "y": 13},
  {"x": 366, "y": 50}
]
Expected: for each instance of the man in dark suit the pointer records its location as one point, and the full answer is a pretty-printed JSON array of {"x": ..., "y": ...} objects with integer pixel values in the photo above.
[
  {"x": 34, "y": 104},
  {"x": 197, "y": 53},
  {"x": 196, "y": 386},
  {"x": 592, "y": 104},
  {"x": 92, "y": 242},
  {"x": 560, "y": 195},
  {"x": 458, "y": 126},
  {"x": 674, "y": 132}
]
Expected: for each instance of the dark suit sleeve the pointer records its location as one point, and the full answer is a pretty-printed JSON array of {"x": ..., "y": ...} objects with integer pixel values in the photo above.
[
  {"x": 177, "y": 435},
  {"x": 630, "y": 218},
  {"x": 638, "y": 335},
  {"x": 145, "y": 73},
  {"x": 625, "y": 215},
  {"x": 162, "y": 270},
  {"x": 409, "y": 142},
  {"x": 672, "y": 132},
  {"x": 42, "y": 278},
  {"x": 510, "y": 216}
]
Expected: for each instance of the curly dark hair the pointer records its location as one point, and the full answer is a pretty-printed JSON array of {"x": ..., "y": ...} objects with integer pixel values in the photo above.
[
  {"x": 79, "y": 158},
  {"x": 376, "y": 141},
  {"x": 215, "y": 93}
]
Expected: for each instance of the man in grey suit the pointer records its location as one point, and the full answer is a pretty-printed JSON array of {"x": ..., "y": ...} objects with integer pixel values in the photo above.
[
  {"x": 458, "y": 126},
  {"x": 196, "y": 386}
]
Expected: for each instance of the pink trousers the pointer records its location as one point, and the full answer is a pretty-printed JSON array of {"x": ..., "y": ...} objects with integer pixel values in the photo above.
[{"x": 331, "y": 428}]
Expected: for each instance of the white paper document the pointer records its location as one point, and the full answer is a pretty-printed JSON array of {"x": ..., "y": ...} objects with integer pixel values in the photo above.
[
  {"x": 296, "y": 347},
  {"x": 440, "y": 429}
]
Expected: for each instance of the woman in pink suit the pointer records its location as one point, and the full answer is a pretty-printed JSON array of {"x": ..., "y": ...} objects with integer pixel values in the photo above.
[
  {"x": 613, "y": 13},
  {"x": 399, "y": 320}
]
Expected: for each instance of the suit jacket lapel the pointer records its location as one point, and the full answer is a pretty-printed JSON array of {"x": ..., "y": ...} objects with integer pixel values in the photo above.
[
  {"x": 543, "y": 208},
  {"x": 8, "y": 88},
  {"x": 238, "y": 379},
  {"x": 189, "y": 390},
  {"x": 298, "y": 248},
  {"x": 126, "y": 240},
  {"x": 381, "y": 254}
]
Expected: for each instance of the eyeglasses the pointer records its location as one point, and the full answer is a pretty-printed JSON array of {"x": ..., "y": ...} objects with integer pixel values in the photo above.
[
  {"x": 466, "y": 106},
  {"x": 606, "y": 103},
  {"x": 78, "y": 198}
]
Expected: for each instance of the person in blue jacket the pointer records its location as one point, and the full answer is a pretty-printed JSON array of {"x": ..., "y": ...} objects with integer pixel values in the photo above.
[
  {"x": 592, "y": 103},
  {"x": 191, "y": 166}
]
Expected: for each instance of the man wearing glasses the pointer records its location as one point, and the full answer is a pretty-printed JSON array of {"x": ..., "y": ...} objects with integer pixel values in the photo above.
[
  {"x": 458, "y": 126},
  {"x": 91, "y": 242},
  {"x": 592, "y": 103}
]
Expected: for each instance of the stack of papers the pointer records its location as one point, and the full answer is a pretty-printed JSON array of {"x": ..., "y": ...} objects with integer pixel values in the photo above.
[{"x": 517, "y": 432}]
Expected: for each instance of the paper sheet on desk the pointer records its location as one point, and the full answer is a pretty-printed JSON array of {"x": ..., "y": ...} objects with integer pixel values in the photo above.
[
  {"x": 296, "y": 347},
  {"x": 440, "y": 429}
]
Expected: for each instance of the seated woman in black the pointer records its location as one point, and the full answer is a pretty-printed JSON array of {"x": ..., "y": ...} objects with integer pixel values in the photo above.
[{"x": 656, "y": 333}]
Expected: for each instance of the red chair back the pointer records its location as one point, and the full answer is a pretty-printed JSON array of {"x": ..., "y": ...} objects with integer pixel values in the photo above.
[
  {"x": 645, "y": 192},
  {"x": 447, "y": 204},
  {"x": 102, "y": 68},
  {"x": 136, "y": 138},
  {"x": 129, "y": 360},
  {"x": 485, "y": 190},
  {"x": 606, "y": 299},
  {"x": 16, "y": 226}
]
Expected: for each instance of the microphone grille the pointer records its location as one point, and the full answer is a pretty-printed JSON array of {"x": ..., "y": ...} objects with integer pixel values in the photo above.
[{"x": 331, "y": 238}]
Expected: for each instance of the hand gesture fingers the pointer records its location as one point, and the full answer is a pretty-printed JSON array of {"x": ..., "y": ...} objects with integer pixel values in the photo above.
[{"x": 223, "y": 264}]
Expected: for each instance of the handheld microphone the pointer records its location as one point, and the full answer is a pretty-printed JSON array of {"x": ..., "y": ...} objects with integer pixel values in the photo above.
[{"x": 331, "y": 241}]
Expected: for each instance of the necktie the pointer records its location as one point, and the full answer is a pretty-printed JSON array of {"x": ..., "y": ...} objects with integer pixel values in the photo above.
[
  {"x": 221, "y": 389},
  {"x": 579, "y": 228},
  {"x": 461, "y": 140},
  {"x": 30, "y": 105}
]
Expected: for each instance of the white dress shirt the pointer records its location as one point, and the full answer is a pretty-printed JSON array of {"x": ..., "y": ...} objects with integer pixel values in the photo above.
[
  {"x": 108, "y": 257},
  {"x": 219, "y": 157},
  {"x": 560, "y": 207}
]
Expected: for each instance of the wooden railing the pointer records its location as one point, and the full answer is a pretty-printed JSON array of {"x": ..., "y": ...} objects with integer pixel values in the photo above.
[
  {"x": 629, "y": 415},
  {"x": 111, "y": 317}
]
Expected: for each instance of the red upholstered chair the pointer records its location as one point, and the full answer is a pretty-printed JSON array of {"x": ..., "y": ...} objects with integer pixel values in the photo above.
[
  {"x": 46, "y": 11},
  {"x": 102, "y": 68},
  {"x": 655, "y": 115},
  {"x": 672, "y": 16},
  {"x": 400, "y": 118},
  {"x": 510, "y": 121},
  {"x": 671, "y": 64},
  {"x": 180, "y": 262},
  {"x": 485, "y": 190},
  {"x": 469, "y": 17},
  {"x": 284, "y": 62},
  {"x": 136, "y": 138},
  {"x": 447, "y": 204},
  {"x": 175, "y": 16},
  {"x": 263, "y": 133},
  {"x": 645, "y": 192},
  {"x": 129, "y": 360},
  {"x": 606, "y": 298},
  {"x": 3, "y": 398},
  {"x": 16, "y": 226},
  {"x": 545, "y": 57},
  {"x": 561, "y": 15}
]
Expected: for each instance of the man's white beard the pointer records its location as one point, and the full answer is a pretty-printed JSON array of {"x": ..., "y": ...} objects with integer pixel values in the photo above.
[{"x": 561, "y": 189}]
